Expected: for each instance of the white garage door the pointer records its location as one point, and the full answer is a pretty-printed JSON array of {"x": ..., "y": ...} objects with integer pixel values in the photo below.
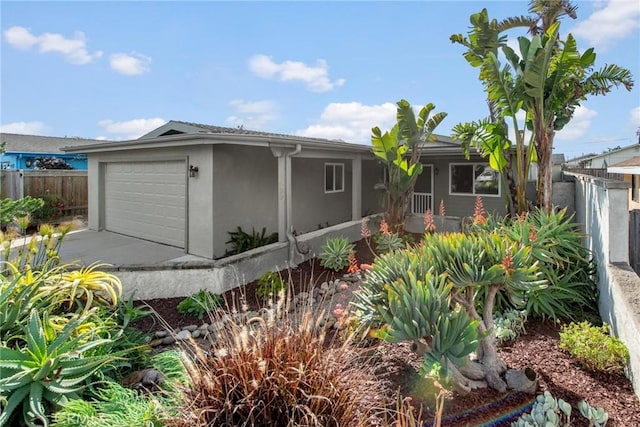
[{"x": 146, "y": 200}]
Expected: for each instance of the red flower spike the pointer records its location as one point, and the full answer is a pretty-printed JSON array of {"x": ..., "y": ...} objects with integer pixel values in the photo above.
[
  {"x": 507, "y": 263},
  {"x": 479, "y": 212},
  {"x": 364, "y": 228},
  {"x": 429, "y": 225},
  {"x": 384, "y": 228},
  {"x": 441, "y": 210},
  {"x": 353, "y": 263}
]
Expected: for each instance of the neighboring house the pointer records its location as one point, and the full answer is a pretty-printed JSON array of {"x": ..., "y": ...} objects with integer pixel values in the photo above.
[
  {"x": 557, "y": 162},
  {"x": 23, "y": 151},
  {"x": 604, "y": 160},
  {"x": 630, "y": 169},
  {"x": 188, "y": 185}
]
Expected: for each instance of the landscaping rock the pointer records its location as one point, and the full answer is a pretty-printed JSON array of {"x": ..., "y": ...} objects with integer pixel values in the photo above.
[
  {"x": 183, "y": 335},
  {"x": 161, "y": 334},
  {"x": 155, "y": 343},
  {"x": 196, "y": 333},
  {"x": 190, "y": 328},
  {"x": 168, "y": 340}
]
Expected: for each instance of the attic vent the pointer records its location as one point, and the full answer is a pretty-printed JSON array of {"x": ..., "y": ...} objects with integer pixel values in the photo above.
[{"x": 171, "y": 132}]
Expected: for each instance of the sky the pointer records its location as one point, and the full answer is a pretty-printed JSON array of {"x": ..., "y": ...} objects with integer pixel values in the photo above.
[{"x": 333, "y": 69}]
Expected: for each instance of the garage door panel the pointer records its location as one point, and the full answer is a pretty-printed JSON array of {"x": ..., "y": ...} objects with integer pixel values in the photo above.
[{"x": 146, "y": 200}]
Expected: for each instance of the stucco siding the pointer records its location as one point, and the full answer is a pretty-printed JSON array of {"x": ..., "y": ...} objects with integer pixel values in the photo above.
[
  {"x": 245, "y": 192},
  {"x": 372, "y": 174},
  {"x": 199, "y": 200},
  {"x": 458, "y": 205},
  {"x": 312, "y": 207}
]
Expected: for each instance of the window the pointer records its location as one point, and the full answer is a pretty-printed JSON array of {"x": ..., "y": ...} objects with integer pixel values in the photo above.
[
  {"x": 333, "y": 177},
  {"x": 635, "y": 188},
  {"x": 473, "y": 179}
]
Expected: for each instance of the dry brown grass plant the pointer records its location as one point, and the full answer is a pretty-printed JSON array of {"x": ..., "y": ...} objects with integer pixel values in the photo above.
[{"x": 279, "y": 369}]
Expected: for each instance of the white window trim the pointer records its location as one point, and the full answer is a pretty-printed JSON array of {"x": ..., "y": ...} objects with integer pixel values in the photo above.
[
  {"x": 340, "y": 176},
  {"x": 474, "y": 188}
]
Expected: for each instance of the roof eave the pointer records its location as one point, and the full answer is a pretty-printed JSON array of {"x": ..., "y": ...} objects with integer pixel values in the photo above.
[{"x": 202, "y": 139}]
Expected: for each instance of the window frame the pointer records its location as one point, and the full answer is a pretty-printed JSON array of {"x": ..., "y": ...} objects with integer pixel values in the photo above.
[
  {"x": 473, "y": 194},
  {"x": 340, "y": 176}
]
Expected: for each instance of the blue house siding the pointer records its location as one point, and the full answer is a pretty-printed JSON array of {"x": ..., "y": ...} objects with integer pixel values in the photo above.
[{"x": 25, "y": 160}]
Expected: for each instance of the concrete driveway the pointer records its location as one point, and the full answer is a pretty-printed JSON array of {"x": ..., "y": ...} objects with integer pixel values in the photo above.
[{"x": 87, "y": 246}]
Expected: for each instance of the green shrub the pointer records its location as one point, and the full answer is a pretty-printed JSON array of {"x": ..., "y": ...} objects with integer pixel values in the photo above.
[
  {"x": 113, "y": 405},
  {"x": 335, "y": 253},
  {"x": 11, "y": 209},
  {"x": 52, "y": 208},
  {"x": 242, "y": 241},
  {"x": 594, "y": 348},
  {"x": 199, "y": 303},
  {"x": 269, "y": 285},
  {"x": 556, "y": 244}
]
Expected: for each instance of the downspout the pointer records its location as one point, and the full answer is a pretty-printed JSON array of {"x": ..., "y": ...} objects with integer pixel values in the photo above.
[{"x": 293, "y": 242}]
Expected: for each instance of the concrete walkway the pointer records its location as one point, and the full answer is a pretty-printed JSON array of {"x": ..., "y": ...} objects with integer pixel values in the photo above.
[{"x": 85, "y": 247}]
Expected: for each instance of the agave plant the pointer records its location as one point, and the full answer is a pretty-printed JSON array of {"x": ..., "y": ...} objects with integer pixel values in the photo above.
[
  {"x": 50, "y": 369},
  {"x": 335, "y": 253}
]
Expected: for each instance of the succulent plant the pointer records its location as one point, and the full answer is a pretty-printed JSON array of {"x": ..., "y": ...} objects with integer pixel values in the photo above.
[
  {"x": 546, "y": 412},
  {"x": 597, "y": 416},
  {"x": 335, "y": 253}
]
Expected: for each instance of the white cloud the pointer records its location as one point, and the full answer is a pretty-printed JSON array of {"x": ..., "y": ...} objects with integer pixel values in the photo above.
[
  {"x": 131, "y": 129},
  {"x": 617, "y": 20},
  {"x": 132, "y": 64},
  {"x": 252, "y": 114},
  {"x": 352, "y": 121},
  {"x": 25, "y": 128},
  {"x": 578, "y": 125},
  {"x": 316, "y": 77},
  {"x": 634, "y": 117},
  {"x": 73, "y": 49}
]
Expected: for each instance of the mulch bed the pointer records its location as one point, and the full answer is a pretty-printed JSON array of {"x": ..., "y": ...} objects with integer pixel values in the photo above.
[{"x": 398, "y": 366}]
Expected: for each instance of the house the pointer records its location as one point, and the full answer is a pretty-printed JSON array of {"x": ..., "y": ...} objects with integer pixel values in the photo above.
[
  {"x": 188, "y": 185},
  {"x": 604, "y": 160},
  {"x": 630, "y": 169},
  {"x": 26, "y": 151}
]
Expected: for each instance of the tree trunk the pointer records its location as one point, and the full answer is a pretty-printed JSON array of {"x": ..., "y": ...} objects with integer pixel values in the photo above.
[{"x": 544, "y": 148}]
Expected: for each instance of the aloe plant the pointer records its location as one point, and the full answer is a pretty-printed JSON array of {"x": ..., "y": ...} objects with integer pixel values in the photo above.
[
  {"x": 48, "y": 370},
  {"x": 457, "y": 268}
]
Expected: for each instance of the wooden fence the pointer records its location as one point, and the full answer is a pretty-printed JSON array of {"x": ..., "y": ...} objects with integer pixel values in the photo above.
[
  {"x": 634, "y": 240},
  {"x": 597, "y": 172},
  {"x": 69, "y": 185}
]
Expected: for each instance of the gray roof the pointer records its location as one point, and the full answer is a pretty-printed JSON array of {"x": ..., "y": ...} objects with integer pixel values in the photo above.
[
  {"x": 242, "y": 131},
  {"x": 41, "y": 144},
  {"x": 634, "y": 161},
  {"x": 176, "y": 132}
]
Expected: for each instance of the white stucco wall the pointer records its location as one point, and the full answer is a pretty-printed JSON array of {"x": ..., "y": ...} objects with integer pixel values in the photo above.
[{"x": 602, "y": 210}]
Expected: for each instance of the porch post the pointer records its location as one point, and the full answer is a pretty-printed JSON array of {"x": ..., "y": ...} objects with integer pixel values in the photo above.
[
  {"x": 288, "y": 196},
  {"x": 356, "y": 188},
  {"x": 282, "y": 198}
]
